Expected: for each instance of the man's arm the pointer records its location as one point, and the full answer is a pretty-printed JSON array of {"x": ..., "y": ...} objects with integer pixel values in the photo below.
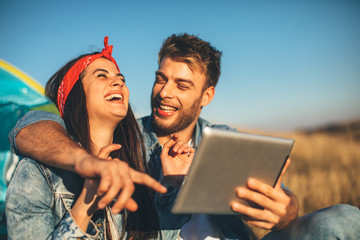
[
  {"x": 41, "y": 136},
  {"x": 47, "y": 142}
]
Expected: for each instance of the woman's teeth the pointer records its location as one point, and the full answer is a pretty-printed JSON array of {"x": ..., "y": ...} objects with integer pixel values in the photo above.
[{"x": 114, "y": 97}]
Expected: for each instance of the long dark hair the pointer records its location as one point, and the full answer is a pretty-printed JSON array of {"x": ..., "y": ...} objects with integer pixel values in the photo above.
[{"x": 142, "y": 224}]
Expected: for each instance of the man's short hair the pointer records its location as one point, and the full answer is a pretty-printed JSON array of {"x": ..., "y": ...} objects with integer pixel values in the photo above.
[{"x": 196, "y": 53}]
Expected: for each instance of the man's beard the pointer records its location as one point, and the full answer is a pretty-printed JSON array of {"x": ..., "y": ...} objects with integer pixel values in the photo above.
[{"x": 184, "y": 119}]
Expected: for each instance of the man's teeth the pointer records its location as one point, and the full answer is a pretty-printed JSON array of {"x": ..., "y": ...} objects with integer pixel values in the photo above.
[
  {"x": 167, "y": 108},
  {"x": 114, "y": 96}
]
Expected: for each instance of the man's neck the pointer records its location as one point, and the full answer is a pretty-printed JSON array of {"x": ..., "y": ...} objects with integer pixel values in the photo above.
[{"x": 184, "y": 135}]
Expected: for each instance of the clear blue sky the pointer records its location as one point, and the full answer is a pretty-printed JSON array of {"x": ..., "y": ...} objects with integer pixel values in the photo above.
[{"x": 286, "y": 64}]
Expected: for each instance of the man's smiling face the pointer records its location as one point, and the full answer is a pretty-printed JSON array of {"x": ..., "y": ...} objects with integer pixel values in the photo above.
[{"x": 177, "y": 96}]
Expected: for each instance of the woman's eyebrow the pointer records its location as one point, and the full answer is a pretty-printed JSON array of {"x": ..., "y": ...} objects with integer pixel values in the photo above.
[
  {"x": 106, "y": 71},
  {"x": 100, "y": 70}
]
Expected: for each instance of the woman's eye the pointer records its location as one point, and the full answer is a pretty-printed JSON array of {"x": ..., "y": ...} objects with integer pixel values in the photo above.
[{"x": 101, "y": 75}]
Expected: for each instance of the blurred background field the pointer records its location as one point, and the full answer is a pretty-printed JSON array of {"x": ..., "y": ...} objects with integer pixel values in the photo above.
[{"x": 325, "y": 167}]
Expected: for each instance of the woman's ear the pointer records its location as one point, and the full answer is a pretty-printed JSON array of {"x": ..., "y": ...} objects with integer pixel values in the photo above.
[{"x": 207, "y": 96}]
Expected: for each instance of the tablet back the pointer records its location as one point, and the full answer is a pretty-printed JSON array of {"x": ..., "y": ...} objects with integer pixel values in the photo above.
[{"x": 224, "y": 161}]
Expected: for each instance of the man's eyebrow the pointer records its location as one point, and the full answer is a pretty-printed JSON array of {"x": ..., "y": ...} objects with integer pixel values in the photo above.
[
  {"x": 185, "y": 80},
  {"x": 158, "y": 73}
]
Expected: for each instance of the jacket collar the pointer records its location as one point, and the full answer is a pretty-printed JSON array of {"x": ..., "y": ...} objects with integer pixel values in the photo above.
[{"x": 152, "y": 141}]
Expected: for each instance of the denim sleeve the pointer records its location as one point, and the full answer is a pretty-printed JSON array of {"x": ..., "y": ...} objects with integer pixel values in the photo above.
[
  {"x": 164, "y": 204},
  {"x": 28, "y": 119}
]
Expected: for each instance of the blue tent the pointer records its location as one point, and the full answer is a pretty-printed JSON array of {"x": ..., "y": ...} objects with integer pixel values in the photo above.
[{"x": 18, "y": 94}]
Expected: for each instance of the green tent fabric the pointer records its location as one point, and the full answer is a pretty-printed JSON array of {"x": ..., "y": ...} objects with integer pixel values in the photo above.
[{"x": 18, "y": 94}]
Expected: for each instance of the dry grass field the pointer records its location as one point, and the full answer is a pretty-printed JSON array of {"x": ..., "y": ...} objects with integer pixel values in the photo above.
[{"x": 325, "y": 167}]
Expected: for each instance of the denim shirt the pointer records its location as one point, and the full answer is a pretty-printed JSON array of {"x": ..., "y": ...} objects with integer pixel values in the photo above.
[{"x": 229, "y": 226}]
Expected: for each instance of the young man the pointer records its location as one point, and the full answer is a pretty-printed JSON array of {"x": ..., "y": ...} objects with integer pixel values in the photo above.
[{"x": 189, "y": 69}]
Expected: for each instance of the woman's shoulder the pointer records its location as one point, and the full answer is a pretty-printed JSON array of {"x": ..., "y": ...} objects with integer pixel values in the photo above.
[
  {"x": 59, "y": 180},
  {"x": 28, "y": 184},
  {"x": 29, "y": 167}
]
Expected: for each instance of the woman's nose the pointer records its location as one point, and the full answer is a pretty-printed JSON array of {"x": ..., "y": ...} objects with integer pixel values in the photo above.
[{"x": 117, "y": 82}]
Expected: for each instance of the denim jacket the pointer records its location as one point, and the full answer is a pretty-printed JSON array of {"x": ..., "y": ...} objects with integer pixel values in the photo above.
[
  {"x": 229, "y": 226},
  {"x": 38, "y": 204}
]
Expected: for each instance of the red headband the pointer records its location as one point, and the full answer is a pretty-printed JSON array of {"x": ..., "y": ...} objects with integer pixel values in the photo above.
[{"x": 73, "y": 75}]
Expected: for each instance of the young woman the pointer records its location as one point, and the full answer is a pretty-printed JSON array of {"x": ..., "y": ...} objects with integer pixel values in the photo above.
[{"x": 46, "y": 202}]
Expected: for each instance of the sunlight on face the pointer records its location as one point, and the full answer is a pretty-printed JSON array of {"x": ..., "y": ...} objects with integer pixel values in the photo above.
[
  {"x": 176, "y": 98},
  {"x": 107, "y": 96}
]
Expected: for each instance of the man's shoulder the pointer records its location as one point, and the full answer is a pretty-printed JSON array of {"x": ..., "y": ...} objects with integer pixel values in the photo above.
[
  {"x": 202, "y": 123},
  {"x": 147, "y": 131},
  {"x": 205, "y": 123},
  {"x": 143, "y": 121},
  {"x": 37, "y": 116},
  {"x": 145, "y": 125}
]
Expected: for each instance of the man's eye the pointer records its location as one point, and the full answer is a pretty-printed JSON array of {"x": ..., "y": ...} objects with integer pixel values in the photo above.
[
  {"x": 183, "y": 86},
  {"x": 159, "y": 80}
]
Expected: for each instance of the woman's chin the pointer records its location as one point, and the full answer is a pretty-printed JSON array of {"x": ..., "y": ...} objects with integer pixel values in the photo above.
[{"x": 119, "y": 117}]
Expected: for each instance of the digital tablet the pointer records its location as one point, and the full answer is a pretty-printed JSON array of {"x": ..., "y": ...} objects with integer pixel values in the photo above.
[{"x": 224, "y": 161}]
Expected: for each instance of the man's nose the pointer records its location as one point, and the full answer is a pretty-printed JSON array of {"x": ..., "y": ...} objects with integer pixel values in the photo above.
[{"x": 167, "y": 90}]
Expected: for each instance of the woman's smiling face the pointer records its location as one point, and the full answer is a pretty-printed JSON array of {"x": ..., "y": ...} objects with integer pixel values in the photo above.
[{"x": 107, "y": 96}]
